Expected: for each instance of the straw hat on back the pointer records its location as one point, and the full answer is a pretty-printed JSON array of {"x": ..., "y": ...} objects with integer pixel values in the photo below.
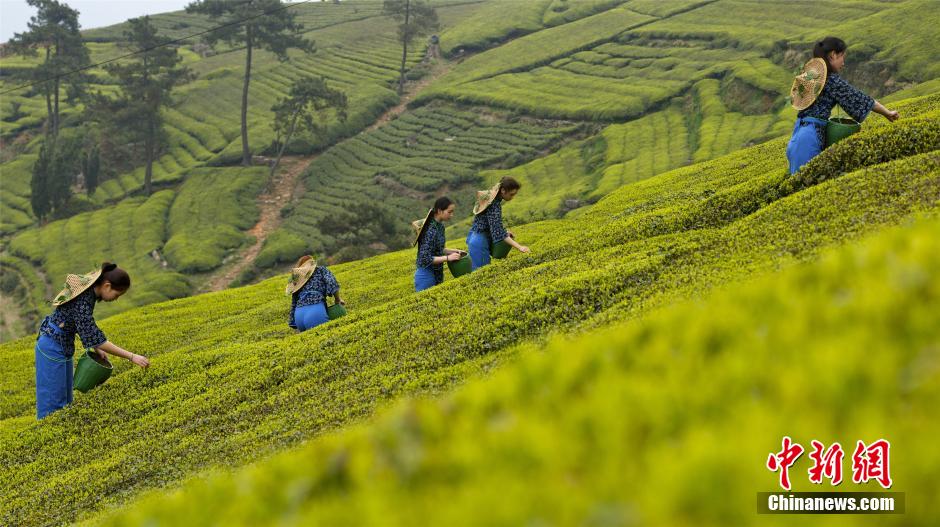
[
  {"x": 75, "y": 284},
  {"x": 485, "y": 198},
  {"x": 299, "y": 276},
  {"x": 420, "y": 226},
  {"x": 808, "y": 84}
]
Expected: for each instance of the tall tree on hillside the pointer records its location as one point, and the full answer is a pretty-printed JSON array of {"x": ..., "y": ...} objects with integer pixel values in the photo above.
[
  {"x": 53, "y": 174},
  {"x": 54, "y": 30},
  {"x": 303, "y": 110},
  {"x": 146, "y": 82},
  {"x": 266, "y": 24},
  {"x": 39, "y": 184},
  {"x": 415, "y": 18}
]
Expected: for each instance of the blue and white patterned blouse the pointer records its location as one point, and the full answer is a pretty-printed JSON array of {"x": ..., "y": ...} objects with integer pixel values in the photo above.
[
  {"x": 321, "y": 284},
  {"x": 430, "y": 245},
  {"x": 75, "y": 316},
  {"x": 838, "y": 91},
  {"x": 490, "y": 221}
]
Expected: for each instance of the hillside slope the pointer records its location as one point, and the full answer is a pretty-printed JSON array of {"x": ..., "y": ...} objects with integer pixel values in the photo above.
[
  {"x": 230, "y": 383},
  {"x": 663, "y": 421}
]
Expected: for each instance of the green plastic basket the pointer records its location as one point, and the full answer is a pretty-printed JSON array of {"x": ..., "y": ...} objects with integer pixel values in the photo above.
[
  {"x": 460, "y": 267},
  {"x": 839, "y": 128},
  {"x": 336, "y": 311},
  {"x": 500, "y": 249},
  {"x": 90, "y": 373}
]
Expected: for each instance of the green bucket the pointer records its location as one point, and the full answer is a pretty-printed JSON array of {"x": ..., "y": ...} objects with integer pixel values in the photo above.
[
  {"x": 460, "y": 267},
  {"x": 90, "y": 373},
  {"x": 336, "y": 311},
  {"x": 500, "y": 249},
  {"x": 839, "y": 128}
]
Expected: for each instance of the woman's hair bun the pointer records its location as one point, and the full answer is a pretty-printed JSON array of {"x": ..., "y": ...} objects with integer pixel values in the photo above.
[{"x": 108, "y": 267}]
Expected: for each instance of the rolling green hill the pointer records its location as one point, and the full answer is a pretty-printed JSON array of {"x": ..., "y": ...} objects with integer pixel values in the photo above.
[{"x": 230, "y": 384}]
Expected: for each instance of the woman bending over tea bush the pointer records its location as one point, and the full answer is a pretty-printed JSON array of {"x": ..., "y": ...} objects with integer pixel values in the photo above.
[
  {"x": 74, "y": 314},
  {"x": 815, "y": 92}
]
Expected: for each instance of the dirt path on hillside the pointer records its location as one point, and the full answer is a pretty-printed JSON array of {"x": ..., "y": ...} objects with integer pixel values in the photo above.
[
  {"x": 411, "y": 89},
  {"x": 287, "y": 187},
  {"x": 283, "y": 190}
]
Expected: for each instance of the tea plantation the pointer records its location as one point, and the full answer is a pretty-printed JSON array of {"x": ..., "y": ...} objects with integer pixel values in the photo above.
[
  {"x": 230, "y": 384},
  {"x": 574, "y": 98},
  {"x": 664, "y": 421},
  {"x": 686, "y": 302}
]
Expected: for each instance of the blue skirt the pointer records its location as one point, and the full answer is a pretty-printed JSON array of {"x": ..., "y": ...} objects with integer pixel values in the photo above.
[
  {"x": 478, "y": 245},
  {"x": 311, "y": 316},
  {"x": 54, "y": 376},
  {"x": 424, "y": 279},
  {"x": 804, "y": 142}
]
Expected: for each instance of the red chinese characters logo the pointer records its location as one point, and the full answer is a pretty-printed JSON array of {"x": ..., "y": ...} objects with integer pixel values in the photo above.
[
  {"x": 828, "y": 463},
  {"x": 870, "y": 462},
  {"x": 784, "y": 459}
]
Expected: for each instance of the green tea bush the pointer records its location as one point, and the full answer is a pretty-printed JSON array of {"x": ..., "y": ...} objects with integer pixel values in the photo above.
[
  {"x": 281, "y": 247},
  {"x": 125, "y": 234},
  {"x": 826, "y": 356},
  {"x": 209, "y": 215},
  {"x": 492, "y": 23},
  {"x": 26, "y": 276}
]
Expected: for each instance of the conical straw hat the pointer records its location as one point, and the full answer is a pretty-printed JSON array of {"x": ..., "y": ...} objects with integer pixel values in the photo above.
[
  {"x": 299, "y": 276},
  {"x": 75, "y": 284},
  {"x": 420, "y": 226},
  {"x": 808, "y": 84},
  {"x": 485, "y": 198}
]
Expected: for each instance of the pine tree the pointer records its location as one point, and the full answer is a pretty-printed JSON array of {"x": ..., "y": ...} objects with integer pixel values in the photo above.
[
  {"x": 415, "y": 18},
  {"x": 39, "y": 184},
  {"x": 146, "y": 84},
  {"x": 54, "y": 30},
  {"x": 309, "y": 97},
  {"x": 268, "y": 24}
]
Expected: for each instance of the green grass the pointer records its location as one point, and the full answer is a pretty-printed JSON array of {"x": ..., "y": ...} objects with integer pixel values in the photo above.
[
  {"x": 662, "y": 421},
  {"x": 229, "y": 383}
]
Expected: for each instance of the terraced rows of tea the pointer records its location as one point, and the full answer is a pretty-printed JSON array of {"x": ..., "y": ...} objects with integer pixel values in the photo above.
[
  {"x": 228, "y": 376},
  {"x": 641, "y": 54},
  {"x": 394, "y": 171}
]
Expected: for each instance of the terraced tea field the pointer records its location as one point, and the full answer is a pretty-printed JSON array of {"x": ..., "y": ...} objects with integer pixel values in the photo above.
[{"x": 228, "y": 375}]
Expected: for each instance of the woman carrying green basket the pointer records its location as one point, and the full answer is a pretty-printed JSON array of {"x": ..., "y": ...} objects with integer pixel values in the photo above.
[
  {"x": 815, "y": 92},
  {"x": 487, "y": 233},
  {"x": 74, "y": 314},
  {"x": 430, "y": 239},
  {"x": 309, "y": 285}
]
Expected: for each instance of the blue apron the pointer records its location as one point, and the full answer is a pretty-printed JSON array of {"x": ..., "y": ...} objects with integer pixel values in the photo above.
[
  {"x": 424, "y": 279},
  {"x": 478, "y": 245},
  {"x": 804, "y": 142},
  {"x": 311, "y": 316},
  {"x": 53, "y": 375}
]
